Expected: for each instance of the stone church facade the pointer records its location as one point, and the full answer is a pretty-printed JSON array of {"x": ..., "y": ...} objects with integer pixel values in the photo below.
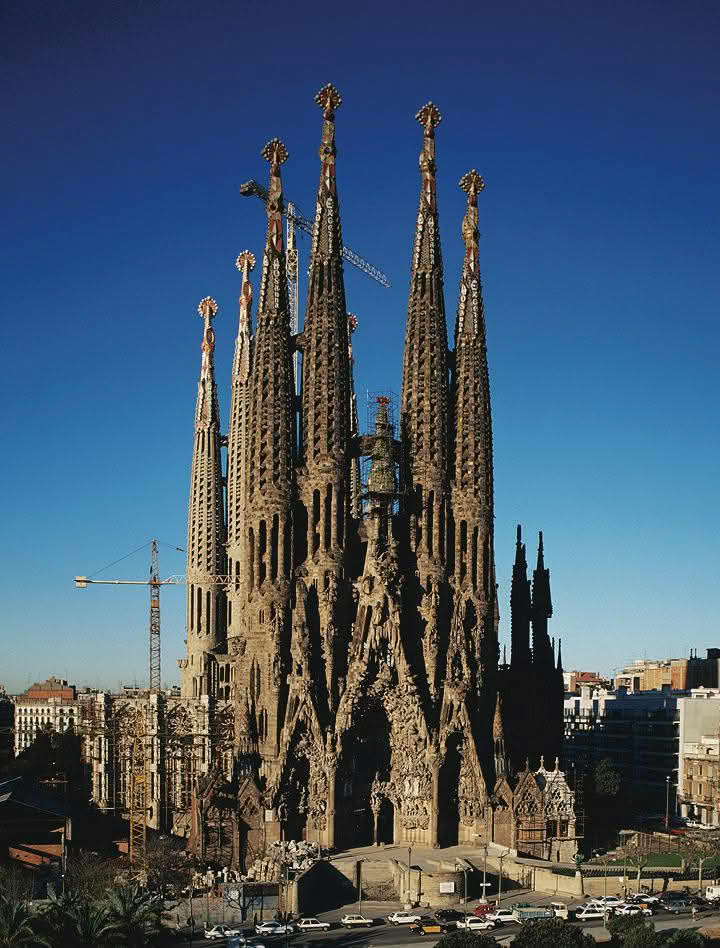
[{"x": 349, "y": 624}]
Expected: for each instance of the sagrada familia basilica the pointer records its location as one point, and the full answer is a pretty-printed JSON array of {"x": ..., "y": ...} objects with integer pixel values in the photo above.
[
  {"x": 356, "y": 634},
  {"x": 342, "y": 682}
]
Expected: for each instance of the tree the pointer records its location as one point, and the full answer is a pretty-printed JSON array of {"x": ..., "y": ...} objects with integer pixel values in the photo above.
[
  {"x": 552, "y": 933},
  {"x": 632, "y": 931},
  {"x": 686, "y": 939},
  {"x": 133, "y": 915},
  {"x": 18, "y": 926},
  {"x": 463, "y": 939},
  {"x": 606, "y": 779}
]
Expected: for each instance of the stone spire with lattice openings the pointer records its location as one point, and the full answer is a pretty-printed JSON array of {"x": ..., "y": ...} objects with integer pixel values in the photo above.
[
  {"x": 474, "y": 562},
  {"x": 269, "y": 482},
  {"x": 206, "y": 524},
  {"x": 520, "y": 608},
  {"x": 425, "y": 372},
  {"x": 325, "y": 395},
  {"x": 502, "y": 768},
  {"x": 237, "y": 446}
]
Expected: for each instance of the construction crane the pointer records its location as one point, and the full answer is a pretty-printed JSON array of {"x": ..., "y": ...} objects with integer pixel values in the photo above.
[
  {"x": 253, "y": 188},
  {"x": 295, "y": 218},
  {"x": 154, "y": 582}
]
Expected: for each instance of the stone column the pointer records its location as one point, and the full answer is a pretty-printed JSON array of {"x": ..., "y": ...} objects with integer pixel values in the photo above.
[
  {"x": 434, "y": 840},
  {"x": 330, "y": 831}
]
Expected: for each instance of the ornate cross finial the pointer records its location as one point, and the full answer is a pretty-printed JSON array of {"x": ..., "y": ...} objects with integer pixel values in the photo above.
[
  {"x": 207, "y": 308},
  {"x": 429, "y": 117},
  {"x": 472, "y": 183},
  {"x": 329, "y": 99},
  {"x": 275, "y": 152}
]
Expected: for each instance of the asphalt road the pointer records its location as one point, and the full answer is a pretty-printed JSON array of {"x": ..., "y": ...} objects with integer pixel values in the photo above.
[{"x": 383, "y": 934}]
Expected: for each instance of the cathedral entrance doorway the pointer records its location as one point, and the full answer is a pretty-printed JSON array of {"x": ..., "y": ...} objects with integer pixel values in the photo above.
[
  {"x": 386, "y": 823},
  {"x": 448, "y": 792},
  {"x": 365, "y": 763}
]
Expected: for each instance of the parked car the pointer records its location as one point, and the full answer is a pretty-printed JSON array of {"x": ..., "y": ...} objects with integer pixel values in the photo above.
[
  {"x": 677, "y": 906},
  {"x": 501, "y": 916},
  {"x": 356, "y": 921},
  {"x": 585, "y": 912},
  {"x": 403, "y": 918},
  {"x": 610, "y": 901},
  {"x": 634, "y": 908},
  {"x": 474, "y": 924},
  {"x": 312, "y": 925},
  {"x": 221, "y": 931},
  {"x": 449, "y": 915},
  {"x": 429, "y": 926},
  {"x": 274, "y": 928}
]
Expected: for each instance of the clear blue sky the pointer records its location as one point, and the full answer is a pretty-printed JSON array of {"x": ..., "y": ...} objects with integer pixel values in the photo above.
[{"x": 128, "y": 129}]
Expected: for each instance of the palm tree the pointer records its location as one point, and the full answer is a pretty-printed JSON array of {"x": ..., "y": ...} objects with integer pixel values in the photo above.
[
  {"x": 91, "y": 924},
  {"x": 17, "y": 929},
  {"x": 132, "y": 915}
]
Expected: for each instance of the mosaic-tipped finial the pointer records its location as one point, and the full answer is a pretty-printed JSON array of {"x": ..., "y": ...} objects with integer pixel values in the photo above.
[
  {"x": 207, "y": 308},
  {"x": 329, "y": 99},
  {"x": 245, "y": 262},
  {"x": 472, "y": 183},
  {"x": 275, "y": 152},
  {"x": 429, "y": 117},
  {"x": 352, "y": 323}
]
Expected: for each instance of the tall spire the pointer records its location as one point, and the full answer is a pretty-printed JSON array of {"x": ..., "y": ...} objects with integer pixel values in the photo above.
[
  {"x": 541, "y": 611},
  {"x": 325, "y": 398},
  {"x": 473, "y": 487},
  {"x": 520, "y": 607},
  {"x": 206, "y": 523},
  {"x": 237, "y": 443},
  {"x": 326, "y": 411},
  {"x": 425, "y": 370},
  {"x": 269, "y": 482}
]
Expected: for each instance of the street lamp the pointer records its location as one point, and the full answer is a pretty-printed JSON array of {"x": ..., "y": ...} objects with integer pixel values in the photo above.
[
  {"x": 463, "y": 868},
  {"x": 360, "y": 862},
  {"x": 409, "y": 890},
  {"x": 667, "y": 802},
  {"x": 502, "y": 856}
]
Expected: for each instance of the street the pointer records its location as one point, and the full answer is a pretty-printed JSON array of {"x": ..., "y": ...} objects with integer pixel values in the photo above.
[{"x": 383, "y": 934}]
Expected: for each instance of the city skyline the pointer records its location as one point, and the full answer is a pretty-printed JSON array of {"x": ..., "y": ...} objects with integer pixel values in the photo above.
[{"x": 598, "y": 227}]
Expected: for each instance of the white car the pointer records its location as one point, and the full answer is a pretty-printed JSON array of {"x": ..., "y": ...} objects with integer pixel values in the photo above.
[
  {"x": 356, "y": 921},
  {"x": 403, "y": 918},
  {"x": 609, "y": 901},
  {"x": 274, "y": 928},
  {"x": 636, "y": 909},
  {"x": 221, "y": 931},
  {"x": 500, "y": 916},
  {"x": 312, "y": 925},
  {"x": 585, "y": 912},
  {"x": 475, "y": 924}
]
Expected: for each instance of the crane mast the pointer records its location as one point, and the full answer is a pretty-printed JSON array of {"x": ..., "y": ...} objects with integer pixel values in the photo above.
[{"x": 155, "y": 680}]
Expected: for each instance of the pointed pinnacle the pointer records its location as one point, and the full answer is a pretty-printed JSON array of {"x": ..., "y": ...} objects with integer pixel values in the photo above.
[
  {"x": 275, "y": 152},
  {"x": 207, "y": 308},
  {"x": 245, "y": 259},
  {"x": 328, "y": 98},
  {"x": 472, "y": 182},
  {"x": 429, "y": 117}
]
